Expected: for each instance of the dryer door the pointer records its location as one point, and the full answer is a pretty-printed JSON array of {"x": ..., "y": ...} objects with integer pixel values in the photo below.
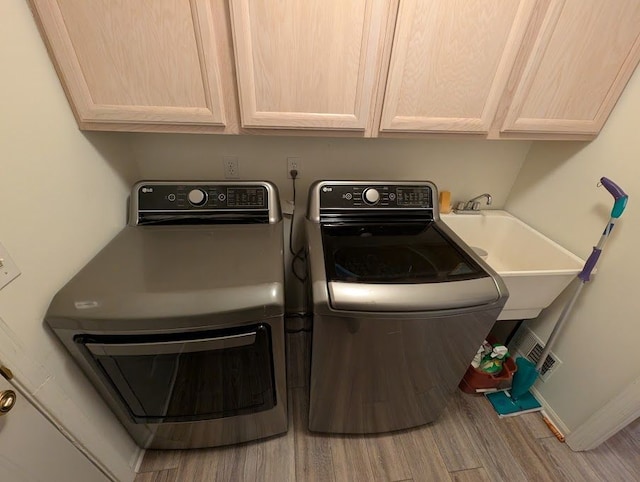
[{"x": 187, "y": 376}]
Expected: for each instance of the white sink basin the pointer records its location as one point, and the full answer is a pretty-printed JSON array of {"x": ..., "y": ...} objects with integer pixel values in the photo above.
[{"x": 534, "y": 268}]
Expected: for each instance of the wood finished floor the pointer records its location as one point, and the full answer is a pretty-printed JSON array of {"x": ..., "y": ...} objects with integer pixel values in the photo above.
[{"x": 467, "y": 443}]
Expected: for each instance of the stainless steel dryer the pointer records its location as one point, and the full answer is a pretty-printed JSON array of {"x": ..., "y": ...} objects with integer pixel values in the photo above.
[
  {"x": 178, "y": 321},
  {"x": 400, "y": 306}
]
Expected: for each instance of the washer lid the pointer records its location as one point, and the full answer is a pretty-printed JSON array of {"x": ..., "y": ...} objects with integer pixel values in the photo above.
[
  {"x": 412, "y": 297},
  {"x": 395, "y": 253},
  {"x": 401, "y": 266},
  {"x": 230, "y": 272}
]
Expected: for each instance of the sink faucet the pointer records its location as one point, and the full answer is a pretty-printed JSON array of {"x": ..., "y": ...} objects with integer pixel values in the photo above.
[{"x": 472, "y": 206}]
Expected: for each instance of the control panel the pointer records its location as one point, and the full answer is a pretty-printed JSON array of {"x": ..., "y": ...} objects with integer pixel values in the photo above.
[
  {"x": 379, "y": 196},
  {"x": 201, "y": 197}
]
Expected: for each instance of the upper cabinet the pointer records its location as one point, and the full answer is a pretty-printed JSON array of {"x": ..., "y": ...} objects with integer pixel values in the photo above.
[
  {"x": 580, "y": 61},
  {"x": 450, "y": 62},
  {"x": 546, "y": 69},
  {"x": 309, "y": 64},
  {"x": 126, "y": 65},
  {"x": 509, "y": 69}
]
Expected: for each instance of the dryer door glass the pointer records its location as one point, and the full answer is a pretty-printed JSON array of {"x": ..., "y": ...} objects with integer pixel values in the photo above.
[
  {"x": 187, "y": 377},
  {"x": 394, "y": 253}
]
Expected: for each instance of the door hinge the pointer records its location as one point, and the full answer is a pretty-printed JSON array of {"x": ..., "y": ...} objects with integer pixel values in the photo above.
[{"x": 6, "y": 372}]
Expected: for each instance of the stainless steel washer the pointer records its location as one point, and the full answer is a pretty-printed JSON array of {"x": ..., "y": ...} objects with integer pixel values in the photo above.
[
  {"x": 178, "y": 321},
  {"x": 400, "y": 306}
]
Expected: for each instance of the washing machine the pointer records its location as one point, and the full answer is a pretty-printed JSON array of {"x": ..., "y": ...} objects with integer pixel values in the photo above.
[
  {"x": 400, "y": 306},
  {"x": 178, "y": 321}
]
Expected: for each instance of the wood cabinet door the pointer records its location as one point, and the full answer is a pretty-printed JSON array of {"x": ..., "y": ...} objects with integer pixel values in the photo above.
[
  {"x": 581, "y": 60},
  {"x": 139, "y": 62},
  {"x": 450, "y": 62},
  {"x": 307, "y": 64}
]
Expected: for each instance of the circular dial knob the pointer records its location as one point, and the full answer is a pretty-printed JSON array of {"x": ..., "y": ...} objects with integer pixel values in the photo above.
[
  {"x": 371, "y": 195},
  {"x": 197, "y": 197}
]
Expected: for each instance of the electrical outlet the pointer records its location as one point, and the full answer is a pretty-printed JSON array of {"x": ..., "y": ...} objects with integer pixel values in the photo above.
[
  {"x": 293, "y": 164},
  {"x": 8, "y": 269},
  {"x": 230, "y": 167}
]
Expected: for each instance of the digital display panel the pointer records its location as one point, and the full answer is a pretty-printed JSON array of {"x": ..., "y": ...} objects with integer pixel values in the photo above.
[
  {"x": 412, "y": 197},
  {"x": 246, "y": 197}
]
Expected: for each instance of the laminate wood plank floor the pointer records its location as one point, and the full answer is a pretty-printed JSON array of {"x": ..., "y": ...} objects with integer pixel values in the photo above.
[{"x": 467, "y": 443}]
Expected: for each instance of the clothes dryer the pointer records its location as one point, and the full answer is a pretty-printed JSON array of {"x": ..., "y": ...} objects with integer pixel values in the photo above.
[{"x": 178, "y": 321}]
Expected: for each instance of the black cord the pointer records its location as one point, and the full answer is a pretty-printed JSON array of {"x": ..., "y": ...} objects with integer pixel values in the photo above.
[
  {"x": 301, "y": 330},
  {"x": 300, "y": 254},
  {"x": 302, "y": 315},
  {"x": 294, "y": 174}
]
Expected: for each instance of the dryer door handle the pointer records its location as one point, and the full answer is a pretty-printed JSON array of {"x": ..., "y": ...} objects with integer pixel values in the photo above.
[{"x": 172, "y": 347}]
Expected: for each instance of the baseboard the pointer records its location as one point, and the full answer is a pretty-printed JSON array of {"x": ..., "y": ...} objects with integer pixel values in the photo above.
[
  {"x": 608, "y": 420},
  {"x": 551, "y": 414},
  {"x": 136, "y": 460}
]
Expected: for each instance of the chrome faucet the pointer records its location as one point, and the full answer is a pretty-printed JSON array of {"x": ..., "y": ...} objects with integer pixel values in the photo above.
[{"x": 472, "y": 206}]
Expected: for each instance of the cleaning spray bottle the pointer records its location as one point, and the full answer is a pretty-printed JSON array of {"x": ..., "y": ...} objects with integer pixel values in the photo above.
[{"x": 492, "y": 362}]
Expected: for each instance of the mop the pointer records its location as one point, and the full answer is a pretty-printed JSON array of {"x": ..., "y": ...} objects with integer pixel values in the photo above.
[{"x": 518, "y": 399}]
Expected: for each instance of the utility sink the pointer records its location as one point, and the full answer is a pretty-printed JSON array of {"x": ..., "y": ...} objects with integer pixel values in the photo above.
[{"x": 534, "y": 268}]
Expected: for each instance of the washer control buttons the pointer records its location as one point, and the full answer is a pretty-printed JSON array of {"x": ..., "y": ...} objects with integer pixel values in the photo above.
[
  {"x": 197, "y": 197},
  {"x": 221, "y": 197},
  {"x": 392, "y": 196},
  {"x": 371, "y": 196},
  {"x": 171, "y": 197}
]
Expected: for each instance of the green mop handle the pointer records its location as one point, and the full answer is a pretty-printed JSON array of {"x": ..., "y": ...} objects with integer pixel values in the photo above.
[{"x": 618, "y": 208}]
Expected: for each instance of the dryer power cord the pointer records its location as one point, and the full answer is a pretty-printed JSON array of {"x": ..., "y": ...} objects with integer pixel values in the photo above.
[{"x": 297, "y": 255}]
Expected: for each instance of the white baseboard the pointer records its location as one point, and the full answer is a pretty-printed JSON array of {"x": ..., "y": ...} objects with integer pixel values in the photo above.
[
  {"x": 551, "y": 414},
  {"x": 606, "y": 422},
  {"x": 136, "y": 460}
]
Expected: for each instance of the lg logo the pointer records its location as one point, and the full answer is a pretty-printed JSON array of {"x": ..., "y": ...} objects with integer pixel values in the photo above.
[
  {"x": 147, "y": 189},
  {"x": 327, "y": 189}
]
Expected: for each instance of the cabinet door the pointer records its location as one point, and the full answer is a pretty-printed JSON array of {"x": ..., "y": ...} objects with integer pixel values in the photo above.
[
  {"x": 138, "y": 62},
  {"x": 307, "y": 64},
  {"x": 581, "y": 60},
  {"x": 450, "y": 63}
]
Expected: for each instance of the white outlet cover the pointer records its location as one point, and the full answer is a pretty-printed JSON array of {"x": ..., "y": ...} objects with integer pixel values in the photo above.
[
  {"x": 293, "y": 163},
  {"x": 8, "y": 269},
  {"x": 230, "y": 165}
]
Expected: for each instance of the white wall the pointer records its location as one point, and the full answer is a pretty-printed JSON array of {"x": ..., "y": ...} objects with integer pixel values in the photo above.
[
  {"x": 556, "y": 193},
  {"x": 466, "y": 168},
  {"x": 62, "y": 198}
]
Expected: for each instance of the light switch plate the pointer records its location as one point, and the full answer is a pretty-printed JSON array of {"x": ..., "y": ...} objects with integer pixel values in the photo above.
[{"x": 8, "y": 269}]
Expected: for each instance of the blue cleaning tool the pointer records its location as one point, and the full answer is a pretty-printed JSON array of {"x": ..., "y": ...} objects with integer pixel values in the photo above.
[{"x": 519, "y": 400}]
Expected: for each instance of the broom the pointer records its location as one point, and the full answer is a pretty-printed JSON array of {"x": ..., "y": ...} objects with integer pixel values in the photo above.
[{"x": 518, "y": 399}]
